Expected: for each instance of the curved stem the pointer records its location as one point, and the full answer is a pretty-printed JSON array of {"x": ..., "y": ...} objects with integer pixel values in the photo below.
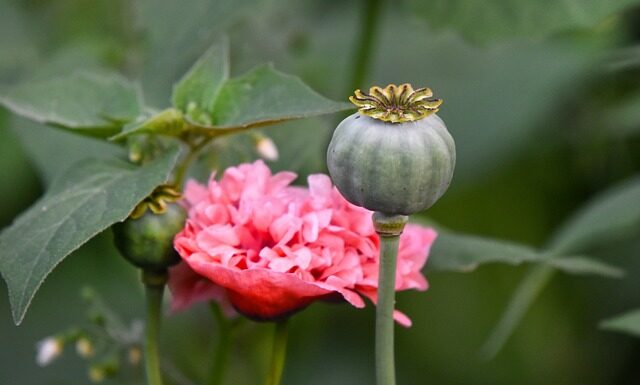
[
  {"x": 389, "y": 229},
  {"x": 183, "y": 167},
  {"x": 366, "y": 37},
  {"x": 278, "y": 353},
  {"x": 154, "y": 288},
  {"x": 222, "y": 346}
]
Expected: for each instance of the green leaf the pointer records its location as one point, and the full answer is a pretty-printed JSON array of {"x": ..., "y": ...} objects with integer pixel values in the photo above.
[
  {"x": 199, "y": 88},
  {"x": 583, "y": 265},
  {"x": 169, "y": 122},
  {"x": 87, "y": 103},
  {"x": 80, "y": 204},
  {"x": 613, "y": 215},
  {"x": 260, "y": 97},
  {"x": 626, "y": 323},
  {"x": 54, "y": 151},
  {"x": 264, "y": 96},
  {"x": 464, "y": 253},
  {"x": 501, "y": 19}
]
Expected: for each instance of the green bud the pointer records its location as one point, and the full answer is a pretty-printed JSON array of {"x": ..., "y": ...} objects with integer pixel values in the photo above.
[{"x": 147, "y": 241}]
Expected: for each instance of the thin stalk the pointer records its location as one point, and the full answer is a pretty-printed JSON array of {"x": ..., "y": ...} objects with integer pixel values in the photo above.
[
  {"x": 183, "y": 167},
  {"x": 389, "y": 228},
  {"x": 385, "y": 360},
  {"x": 278, "y": 353},
  {"x": 366, "y": 37},
  {"x": 154, "y": 294},
  {"x": 222, "y": 347}
]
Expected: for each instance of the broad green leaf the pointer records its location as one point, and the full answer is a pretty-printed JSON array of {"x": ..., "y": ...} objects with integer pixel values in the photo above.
[
  {"x": 612, "y": 215},
  {"x": 260, "y": 97},
  {"x": 88, "y": 199},
  {"x": 199, "y": 88},
  {"x": 264, "y": 96},
  {"x": 626, "y": 323},
  {"x": 502, "y": 19},
  {"x": 464, "y": 253},
  {"x": 88, "y": 103},
  {"x": 54, "y": 151}
]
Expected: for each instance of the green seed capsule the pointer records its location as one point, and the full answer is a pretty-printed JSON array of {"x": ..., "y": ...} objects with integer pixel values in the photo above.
[
  {"x": 147, "y": 241},
  {"x": 395, "y": 155}
]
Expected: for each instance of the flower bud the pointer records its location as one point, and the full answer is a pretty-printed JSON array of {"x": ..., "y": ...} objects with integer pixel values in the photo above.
[
  {"x": 49, "y": 349},
  {"x": 147, "y": 241},
  {"x": 266, "y": 148}
]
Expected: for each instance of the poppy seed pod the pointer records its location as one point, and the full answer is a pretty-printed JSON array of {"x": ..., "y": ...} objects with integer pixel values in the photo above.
[{"x": 394, "y": 155}]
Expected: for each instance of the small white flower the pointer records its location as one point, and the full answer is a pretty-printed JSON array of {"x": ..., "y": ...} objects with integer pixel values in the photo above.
[
  {"x": 49, "y": 349},
  {"x": 266, "y": 148}
]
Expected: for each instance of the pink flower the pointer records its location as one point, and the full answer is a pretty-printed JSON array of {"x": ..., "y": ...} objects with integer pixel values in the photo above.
[{"x": 275, "y": 248}]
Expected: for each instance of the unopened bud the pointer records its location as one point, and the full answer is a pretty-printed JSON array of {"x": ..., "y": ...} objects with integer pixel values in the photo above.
[
  {"x": 84, "y": 347},
  {"x": 266, "y": 148}
]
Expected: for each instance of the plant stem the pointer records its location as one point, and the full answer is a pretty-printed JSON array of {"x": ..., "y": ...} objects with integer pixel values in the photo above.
[
  {"x": 389, "y": 229},
  {"x": 222, "y": 346},
  {"x": 154, "y": 287},
  {"x": 183, "y": 167},
  {"x": 278, "y": 353},
  {"x": 366, "y": 37}
]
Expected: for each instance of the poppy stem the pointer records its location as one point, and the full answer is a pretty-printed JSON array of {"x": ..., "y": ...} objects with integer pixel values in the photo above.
[
  {"x": 389, "y": 228},
  {"x": 278, "y": 353},
  {"x": 154, "y": 287},
  {"x": 222, "y": 346}
]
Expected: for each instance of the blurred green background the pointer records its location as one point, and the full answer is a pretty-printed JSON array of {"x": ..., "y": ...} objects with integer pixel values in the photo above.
[{"x": 542, "y": 97}]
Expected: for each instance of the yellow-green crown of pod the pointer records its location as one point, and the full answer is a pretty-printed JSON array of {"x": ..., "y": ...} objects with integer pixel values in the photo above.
[
  {"x": 157, "y": 201},
  {"x": 396, "y": 104}
]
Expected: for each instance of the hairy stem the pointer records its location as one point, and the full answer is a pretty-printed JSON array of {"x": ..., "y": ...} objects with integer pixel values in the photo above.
[
  {"x": 154, "y": 287},
  {"x": 222, "y": 346},
  {"x": 278, "y": 353},
  {"x": 389, "y": 229}
]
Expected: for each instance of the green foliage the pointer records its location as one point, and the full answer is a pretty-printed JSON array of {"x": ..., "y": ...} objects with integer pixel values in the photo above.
[
  {"x": 612, "y": 215},
  {"x": 625, "y": 323},
  {"x": 199, "y": 88},
  {"x": 264, "y": 96},
  {"x": 464, "y": 253},
  {"x": 43, "y": 147},
  {"x": 87, "y": 103},
  {"x": 502, "y": 19},
  {"x": 213, "y": 104},
  {"x": 80, "y": 204},
  {"x": 175, "y": 34}
]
